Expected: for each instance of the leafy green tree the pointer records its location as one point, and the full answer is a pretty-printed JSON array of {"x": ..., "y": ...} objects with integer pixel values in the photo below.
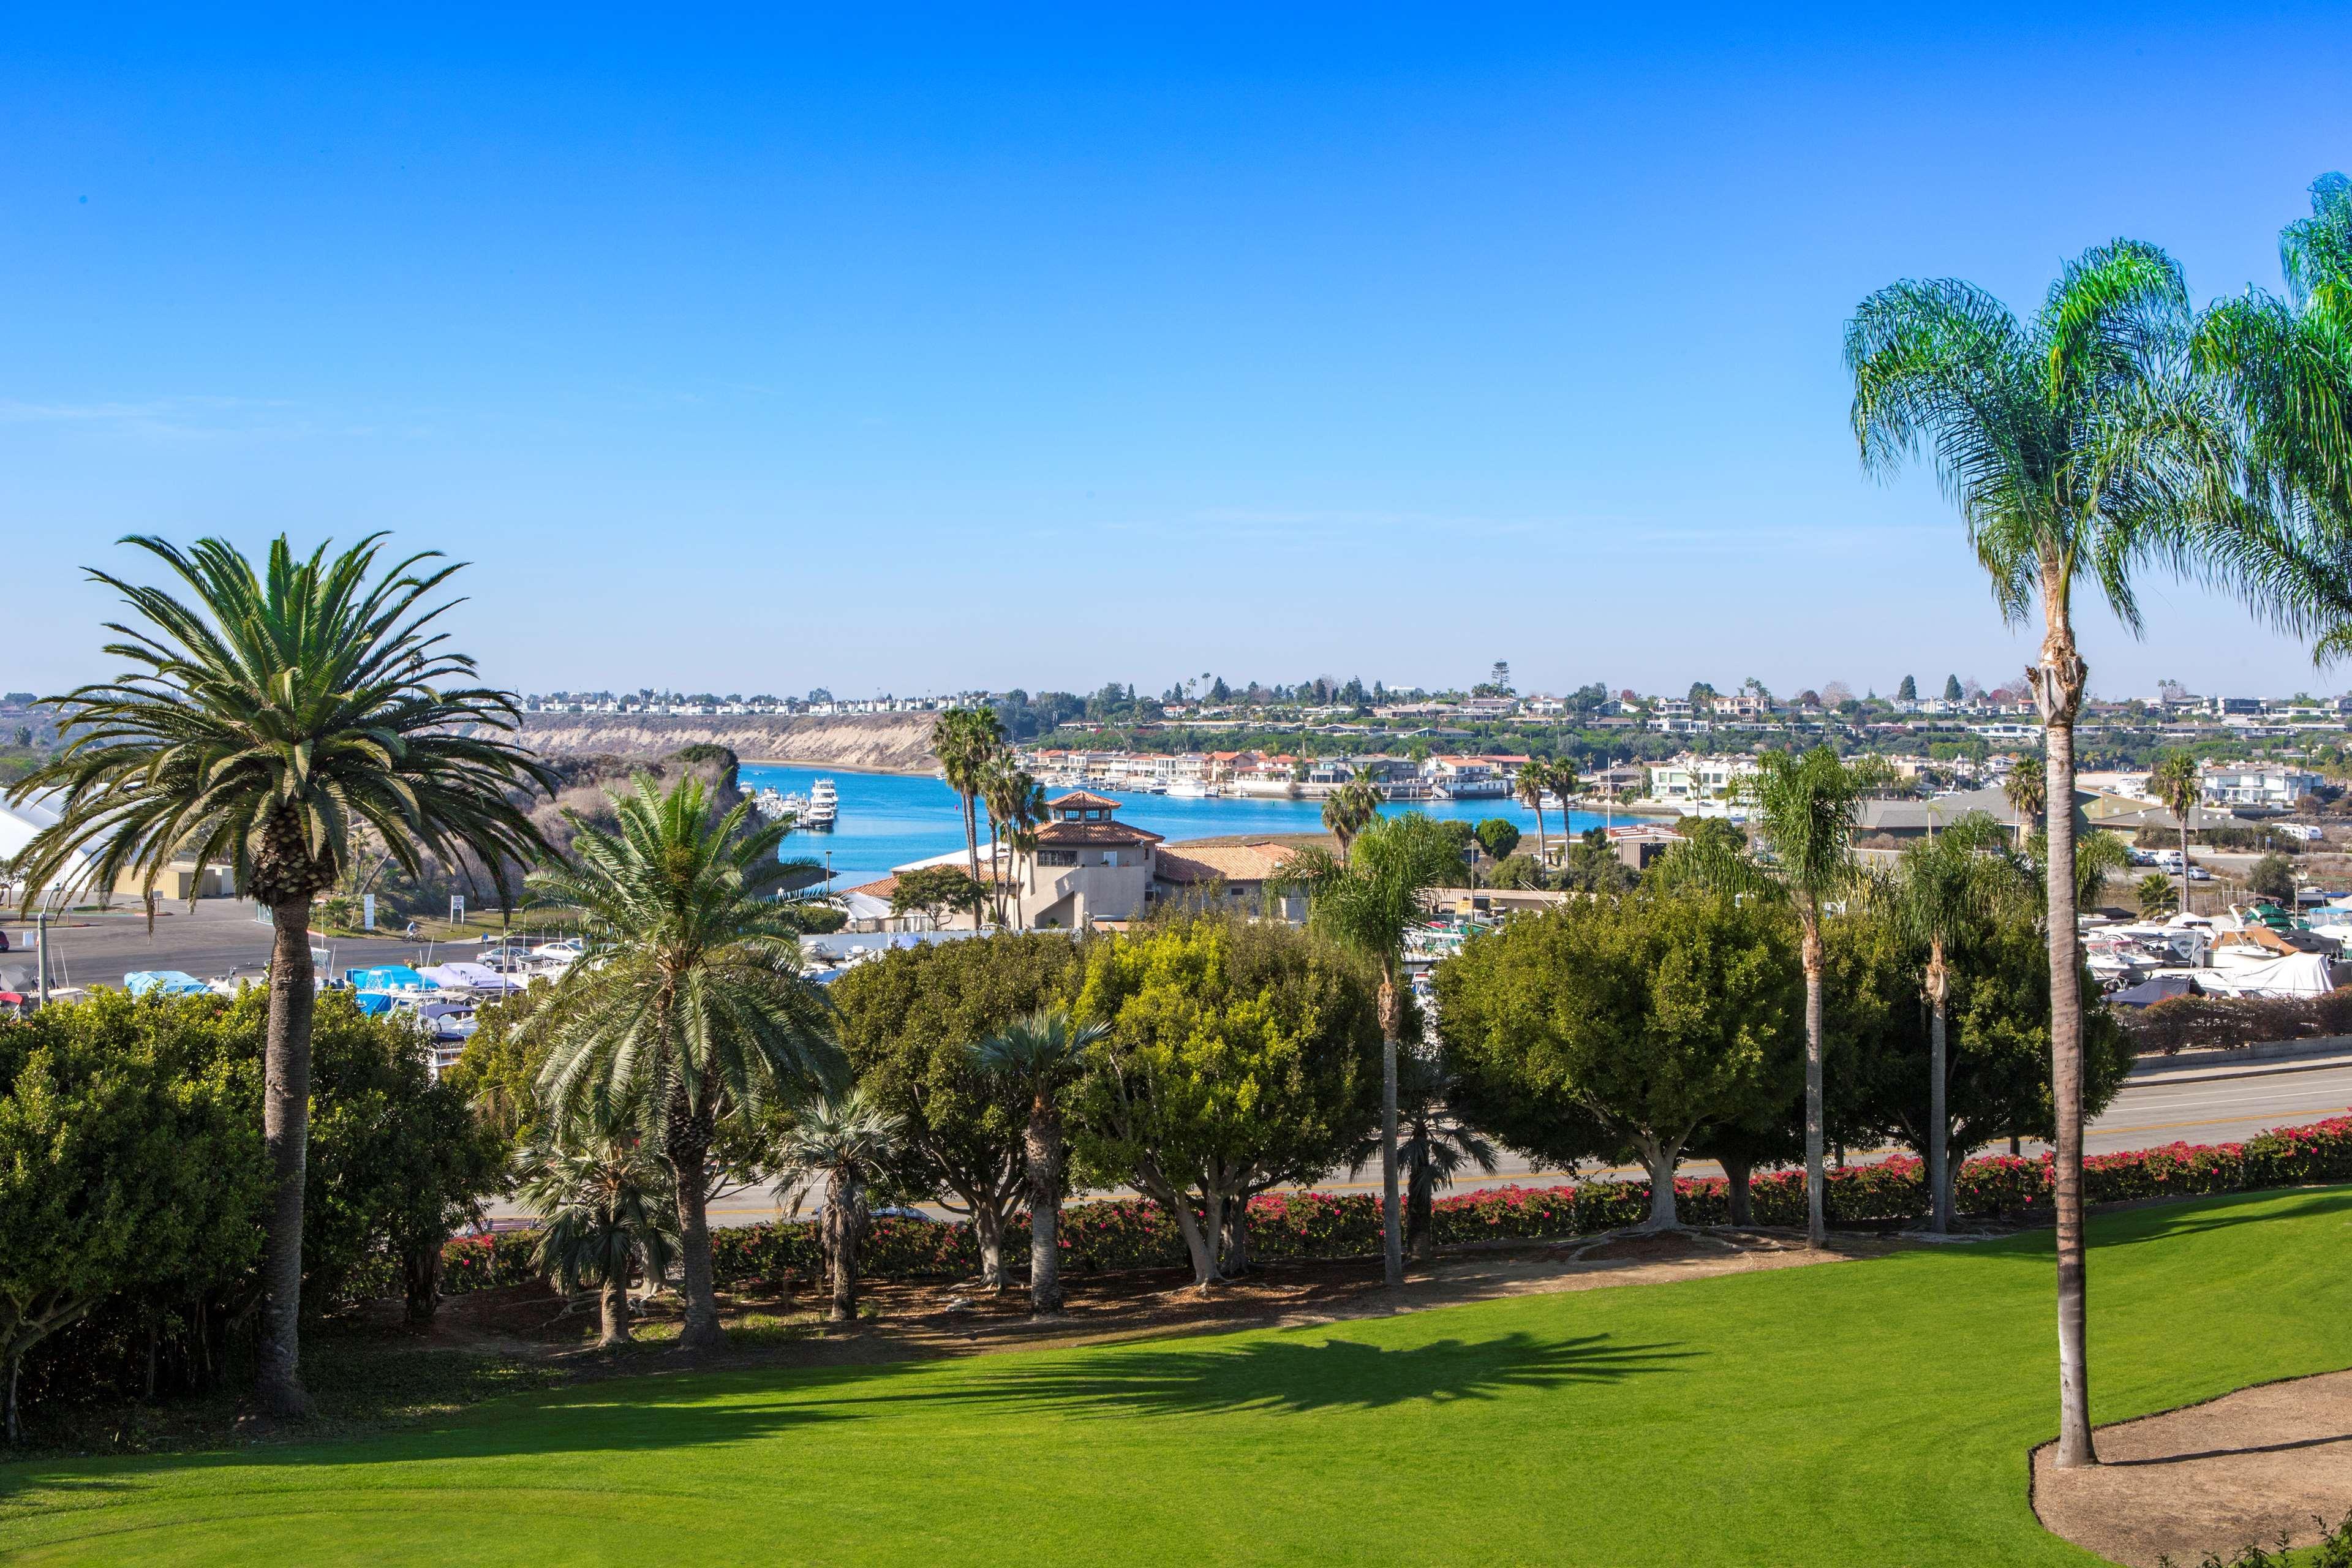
[
  {"x": 1952, "y": 692},
  {"x": 1515, "y": 871},
  {"x": 2179, "y": 785},
  {"x": 128, "y": 1159},
  {"x": 1908, "y": 692},
  {"x": 1497, "y": 837},
  {"x": 1366, "y": 904},
  {"x": 2273, "y": 877},
  {"x": 1625, "y": 1023},
  {"x": 264, "y": 724},
  {"x": 2080, "y": 456},
  {"x": 698, "y": 1015},
  {"x": 1238, "y": 1058},
  {"x": 1807, "y": 807},
  {"x": 845, "y": 1144},
  {"x": 933, "y": 890},
  {"x": 1043, "y": 1057},
  {"x": 909, "y": 1022},
  {"x": 602, "y": 1204}
]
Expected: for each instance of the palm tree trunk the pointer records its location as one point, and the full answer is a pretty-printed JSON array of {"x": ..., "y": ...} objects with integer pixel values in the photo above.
[
  {"x": 2184, "y": 852},
  {"x": 686, "y": 1150},
  {"x": 1391, "y": 1226},
  {"x": 1045, "y": 1151},
  {"x": 286, "y": 1129},
  {"x": 1816, "y": 1179},
  {"x": 2062, "y": 677},
  {"x": 1939, "y": 1194},
  {"x": 971, "y": 845},
  {"x": 845, "y": 1232},
  {"x": 615, "y": 1330}
]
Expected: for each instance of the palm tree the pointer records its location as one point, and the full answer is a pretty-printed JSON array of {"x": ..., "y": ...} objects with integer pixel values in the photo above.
[
  {"x": 1353, "y": 806},
  {"x": 269, "y": 718},
  {"x": 966, "y": 741},
  {"x": 1944, "y": 887},
  {"x": 1367, "y": 903},
  {"x": 1536, "y": 777},
  {"x": 1807, "y": 806},
  {"x": 2156, "y": 896},
  {"x": 696, "y": 1015},
  {"x": 1043, "y": 1054},
  {"x": 2027, "y": 790},
  {"x": 2078, "y": 451},
  {"x": 2286, "y": 364},
  {"x": 600, "y": 1206},
  {"x": 1011, "y": 795},
  {"x": 2178, "y": 783},
  {"x": 846, "y": 1141},
  {"x": 1433, "y": 1145}
]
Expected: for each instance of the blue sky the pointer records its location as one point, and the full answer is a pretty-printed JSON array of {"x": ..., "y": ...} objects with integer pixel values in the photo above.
[{"x": 943, "y": 349}]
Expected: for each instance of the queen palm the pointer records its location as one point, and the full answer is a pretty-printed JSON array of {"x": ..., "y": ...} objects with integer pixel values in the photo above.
[
  {"x": 603, "y": 1203},
  {"x": 1367, "y": 903},
  {"x": 1043, "y": 1055},
  {"x": 1352, "y": 807},
  {"x": 1535, "y": 778},
  {"x": 1807, "y": 806},
  {"x": 1009, "y": 795},
  {"x": 696, "y": 1015},
  {"x": 844, "y": 1142},
  {"x": 270, "y": 719},
  {"x": 1945, "y": 888},
  {"x": 2027, "y": 790},
  {"x": 967, "y": 740},
  {"x": 2081, "y": 452},
  {"x": 2176, "y": 782}
]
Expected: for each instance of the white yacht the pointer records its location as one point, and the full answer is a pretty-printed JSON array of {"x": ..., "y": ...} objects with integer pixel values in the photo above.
[
  {"x": 1189, "y": 789},
  {"x": 824, "y": 807}
]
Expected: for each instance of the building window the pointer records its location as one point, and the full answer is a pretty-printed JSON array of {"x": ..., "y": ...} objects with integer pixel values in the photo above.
[{"x": 1057, "y": 857}]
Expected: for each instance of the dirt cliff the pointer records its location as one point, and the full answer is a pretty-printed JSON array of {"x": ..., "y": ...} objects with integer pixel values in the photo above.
[{"x": 883, "y": 742}]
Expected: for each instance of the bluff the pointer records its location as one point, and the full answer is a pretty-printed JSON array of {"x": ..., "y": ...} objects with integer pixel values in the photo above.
[{"x": 885, "y": 743}]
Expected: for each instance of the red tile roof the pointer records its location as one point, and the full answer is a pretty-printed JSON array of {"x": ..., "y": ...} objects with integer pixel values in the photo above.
[
  {"x": 1081, "y": 800},
  {"x": 1095, "y": 833}
]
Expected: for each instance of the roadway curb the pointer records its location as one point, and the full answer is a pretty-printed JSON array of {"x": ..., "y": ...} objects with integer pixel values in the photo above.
[{"x": 2219, "y": 1075}]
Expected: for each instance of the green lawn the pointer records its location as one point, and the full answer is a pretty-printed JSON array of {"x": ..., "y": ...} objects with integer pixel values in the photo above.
[{"x": 1873, "y": 1414}]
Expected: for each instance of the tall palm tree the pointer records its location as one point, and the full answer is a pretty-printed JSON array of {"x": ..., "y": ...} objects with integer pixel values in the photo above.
[
  {"x": 1944, "y": 888},
  {"x": 1043, "y": 1054},
  {"x": 1367, "y": 903},
  {"x": 966, "y": 741},
  {"x": 846, "y": 1142},
  {"x": 603, "y": 1202},
  {"x": 697, "y": 1014},
  {"x": 1807, "y": 806},
  {"x": 2176, "y": 782},
  {"x": 2080, "y": 452},
  {"x": 269, "y": 717},
  {"x": 1535, "y": 778},
  {"x": 1010, "y": 793},
  {"x": 1433, "y": 1145},
  {"x": 2027, "y": 789},
  {"x": 2286, "y": 364},
  {"x": 1352, "y": 807}
]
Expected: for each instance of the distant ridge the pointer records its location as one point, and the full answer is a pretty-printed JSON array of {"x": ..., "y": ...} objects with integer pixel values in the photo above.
[{"x": 881, "y": 742}]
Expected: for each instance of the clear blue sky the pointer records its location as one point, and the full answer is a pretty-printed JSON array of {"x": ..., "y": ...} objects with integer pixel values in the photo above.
[{"x": 953, "y": 350}]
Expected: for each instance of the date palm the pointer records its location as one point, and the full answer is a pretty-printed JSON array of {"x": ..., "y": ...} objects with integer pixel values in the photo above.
[
  {"x": 603, "y": 1202},
  {"x": 1807, "y": 806},
  {"x": 1945, "y": 888},
  {"x": 967, "y": 740},
  {"x": 697, "y": 1015},
  {"x": 2176, "y": 782},
  {"x": 1367, "y": 903},
  {"x": 844, "y": 1142},
  {"x": 2082, "y": 452},
  {"x": 270, "y": 719},
  {"x": 1352, "y": 807},
  {"x": 1043, "y": 1055}
]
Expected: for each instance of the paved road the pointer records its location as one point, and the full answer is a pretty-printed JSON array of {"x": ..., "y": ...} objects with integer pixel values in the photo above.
[{"x": 218, "y": 937}]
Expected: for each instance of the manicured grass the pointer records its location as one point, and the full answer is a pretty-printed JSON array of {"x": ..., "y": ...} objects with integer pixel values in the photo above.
[{"x": 1872, "y": 1413}]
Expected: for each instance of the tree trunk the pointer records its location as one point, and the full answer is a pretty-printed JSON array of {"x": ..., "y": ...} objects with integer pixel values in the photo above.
[
  {"x": 286, "y": 1129},
  {"x": 615, "y": 1329},
  {"x": 1939, "y": 1193},
  {"x": 2062, "y": 676},
  {"x": 1736, "y": 1173},
  {"x": 1659, "y": 1157},
  {"x": 421, "y": 1268},
  {"x": 1816, "y": 1179},
  {"x": 1236, "y": 1249},
  {"x": 1212, "y": 1225},
  {"x": 988, "y": 1230},
  {"x": 1391, "y": 1220},
  {"x": 1420, "y": 1212},
  {"x": 844, "y": 1233},
  {"x": 2184, "y": 845},
  {"x": 972, "y": 849},
  {"x": 686, "y": 1150},
  {"x": 9, "y": 1425},
  {"x": 1044, "y": 1144}
]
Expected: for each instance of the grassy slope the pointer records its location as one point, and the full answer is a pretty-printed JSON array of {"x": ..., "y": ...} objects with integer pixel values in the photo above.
[{"x": 1870, "y": 1414}]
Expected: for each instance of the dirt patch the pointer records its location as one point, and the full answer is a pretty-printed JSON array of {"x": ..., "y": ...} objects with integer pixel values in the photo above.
[{"x": 2249, "y": 1466}]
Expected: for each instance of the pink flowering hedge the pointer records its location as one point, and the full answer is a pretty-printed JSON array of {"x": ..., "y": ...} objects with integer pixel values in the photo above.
[{"x": 1135, "y": 1233}]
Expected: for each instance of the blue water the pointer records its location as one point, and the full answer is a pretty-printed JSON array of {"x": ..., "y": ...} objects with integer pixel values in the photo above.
[{"x": 888, "y": 819}]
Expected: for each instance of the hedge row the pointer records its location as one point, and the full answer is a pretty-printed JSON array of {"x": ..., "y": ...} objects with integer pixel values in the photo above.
[{"x": 1135, "y": 1233}]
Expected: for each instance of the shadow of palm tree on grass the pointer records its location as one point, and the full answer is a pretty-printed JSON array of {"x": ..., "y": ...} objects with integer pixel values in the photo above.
[{"x": 1290, "y": 1375}]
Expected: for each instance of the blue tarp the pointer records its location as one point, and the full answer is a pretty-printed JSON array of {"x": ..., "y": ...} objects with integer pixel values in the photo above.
[
  {"x": 374, "y": 1004},
  {"x": 170, "y": 981},
  {"x": 387, "y": 977}
]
